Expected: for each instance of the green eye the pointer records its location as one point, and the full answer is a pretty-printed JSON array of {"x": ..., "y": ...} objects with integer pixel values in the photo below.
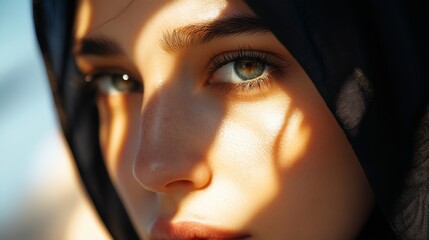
[
  {"x": 114, "y": 83},
  {"x": 248, "y": 69},
  {"x": 240, "y": 71}
]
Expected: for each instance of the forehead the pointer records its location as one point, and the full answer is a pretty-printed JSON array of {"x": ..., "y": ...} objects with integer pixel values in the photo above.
[
  {"x": 138, "y": 26},
  {"x": 126, "y": 18}
]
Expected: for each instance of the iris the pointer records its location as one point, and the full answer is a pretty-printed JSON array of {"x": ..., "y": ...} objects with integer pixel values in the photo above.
[{"x": 248, "y": 69}]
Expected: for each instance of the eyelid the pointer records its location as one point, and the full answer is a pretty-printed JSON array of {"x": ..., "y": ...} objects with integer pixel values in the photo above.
[
  {"x": 270, "y": 58},
  {"x": 93, "y": 80},
  {"x": 277, "y": 67},
  {"x": 91, "y": 65}
]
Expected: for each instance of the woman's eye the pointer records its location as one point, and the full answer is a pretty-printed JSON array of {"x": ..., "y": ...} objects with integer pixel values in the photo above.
[
  {"x": 244, "y": 69},
  {"x": 114, "y": 83},
  {"x": 239, "y": 71}
]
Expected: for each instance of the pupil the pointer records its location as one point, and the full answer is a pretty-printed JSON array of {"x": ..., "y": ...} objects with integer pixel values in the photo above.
[{"x": 248, "y": 69}]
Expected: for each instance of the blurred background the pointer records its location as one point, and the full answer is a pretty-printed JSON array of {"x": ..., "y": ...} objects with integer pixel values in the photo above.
[{"x": 40, "y": 194}]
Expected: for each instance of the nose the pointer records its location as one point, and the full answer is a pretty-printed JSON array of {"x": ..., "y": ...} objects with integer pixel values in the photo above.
[{"x": 174, "y": 142}]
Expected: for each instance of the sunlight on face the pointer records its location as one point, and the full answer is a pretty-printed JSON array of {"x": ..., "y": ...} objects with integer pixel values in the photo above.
[{"x": 211, "y": 129}]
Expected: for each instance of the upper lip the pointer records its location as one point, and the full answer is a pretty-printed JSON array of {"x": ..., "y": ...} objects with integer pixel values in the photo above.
[{"x": 187, "y": 230}]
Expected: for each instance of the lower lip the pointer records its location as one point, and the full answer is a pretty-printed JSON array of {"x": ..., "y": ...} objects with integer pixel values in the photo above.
[{"x": 165, "y": 230}]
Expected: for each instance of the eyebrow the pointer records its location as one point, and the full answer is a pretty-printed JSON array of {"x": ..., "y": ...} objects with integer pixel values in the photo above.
[
  {"x": 99, "y": 45},
  {"x": 195, "y": 34},
  {"x": 179, "y": 38}
]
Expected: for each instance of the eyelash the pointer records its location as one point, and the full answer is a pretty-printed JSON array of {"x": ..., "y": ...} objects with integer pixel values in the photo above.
[{"x": 268, "y": 59}]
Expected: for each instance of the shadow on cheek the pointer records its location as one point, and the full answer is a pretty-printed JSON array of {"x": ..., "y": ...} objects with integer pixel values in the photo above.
[{"x": 320, "y": 190}]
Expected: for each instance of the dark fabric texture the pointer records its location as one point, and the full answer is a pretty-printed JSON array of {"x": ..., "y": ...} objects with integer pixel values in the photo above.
[{"x": 368, "y": 60}]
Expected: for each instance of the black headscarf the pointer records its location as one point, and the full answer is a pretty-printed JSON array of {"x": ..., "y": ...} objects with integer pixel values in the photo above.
[{"x": 367, "y": 58}]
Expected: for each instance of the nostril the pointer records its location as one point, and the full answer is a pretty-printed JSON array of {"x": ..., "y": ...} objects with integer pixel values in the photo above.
[
  {"x": 163, "y": 179},
  {"x": 180, "y": 184}
]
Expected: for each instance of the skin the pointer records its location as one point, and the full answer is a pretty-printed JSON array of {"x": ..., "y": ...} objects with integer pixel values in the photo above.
[{"x": 269, "y": 162}]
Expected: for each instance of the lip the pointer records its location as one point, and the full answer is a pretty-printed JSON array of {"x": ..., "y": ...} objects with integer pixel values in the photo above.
[{"x": 184, "y": 230}]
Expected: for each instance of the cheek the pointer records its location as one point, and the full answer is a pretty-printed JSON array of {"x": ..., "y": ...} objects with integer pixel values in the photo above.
[
  {"x": 248, "y": 160},
  {"x": 289, "y": 168},
  {"x": 316, "y": 181},
  {"x": 119, "y": 130}
]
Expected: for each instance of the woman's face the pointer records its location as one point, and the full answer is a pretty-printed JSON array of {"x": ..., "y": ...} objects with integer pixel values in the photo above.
[{"x": 210, "y": 129}]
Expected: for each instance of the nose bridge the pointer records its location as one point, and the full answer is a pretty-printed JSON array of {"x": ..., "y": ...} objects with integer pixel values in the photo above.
[
  {"x": 166, "y": 120},
  {"x": 170, "y": 151}
]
